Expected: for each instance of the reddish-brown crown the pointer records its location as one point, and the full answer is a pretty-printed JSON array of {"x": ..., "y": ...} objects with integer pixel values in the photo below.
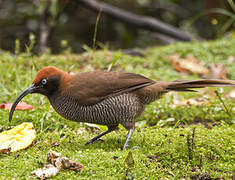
[{"x": 49, "y": 71}]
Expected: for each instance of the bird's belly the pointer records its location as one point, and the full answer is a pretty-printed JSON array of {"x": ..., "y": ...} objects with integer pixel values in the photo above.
[{"x": 113, "y": 110}]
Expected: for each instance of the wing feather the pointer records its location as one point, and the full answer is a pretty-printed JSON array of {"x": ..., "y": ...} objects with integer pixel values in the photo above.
[{"x": 92, "y": 87}]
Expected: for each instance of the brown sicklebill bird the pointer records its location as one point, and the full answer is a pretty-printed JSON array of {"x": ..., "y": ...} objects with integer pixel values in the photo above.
[{"x": 107, "y": 98}]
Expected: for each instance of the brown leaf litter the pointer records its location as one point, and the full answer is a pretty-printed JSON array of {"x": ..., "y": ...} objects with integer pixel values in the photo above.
[
  {"x": 191, "y": 65},
  {"x": 56, "y": 163}
]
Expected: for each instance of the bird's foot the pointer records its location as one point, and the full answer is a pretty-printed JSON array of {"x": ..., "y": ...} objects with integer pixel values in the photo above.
[
  {"x": 128, "y": 138},
  {"x": 91, "y": 141},
  {"x": 125, "y": 146}
]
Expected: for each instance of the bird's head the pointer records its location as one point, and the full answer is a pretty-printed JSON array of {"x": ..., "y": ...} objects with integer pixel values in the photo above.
[{"x": 48, "y": 80}]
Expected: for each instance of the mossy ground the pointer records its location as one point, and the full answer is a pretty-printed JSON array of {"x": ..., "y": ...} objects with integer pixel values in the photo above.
[{"x": 162, "y": 144}]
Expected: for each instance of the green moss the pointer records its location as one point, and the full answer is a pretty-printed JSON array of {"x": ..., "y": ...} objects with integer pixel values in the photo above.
[{"x": 162, "y": 139}]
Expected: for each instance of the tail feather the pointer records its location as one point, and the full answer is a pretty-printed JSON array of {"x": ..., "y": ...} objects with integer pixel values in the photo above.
[{"x": 185, "y": 85}]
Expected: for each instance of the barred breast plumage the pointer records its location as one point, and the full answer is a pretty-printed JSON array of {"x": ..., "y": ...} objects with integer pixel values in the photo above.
[{"x": 111, "y": 111}]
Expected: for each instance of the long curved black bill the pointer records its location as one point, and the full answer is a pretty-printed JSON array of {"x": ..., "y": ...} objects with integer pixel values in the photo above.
[{"x": 23, "y": 94}]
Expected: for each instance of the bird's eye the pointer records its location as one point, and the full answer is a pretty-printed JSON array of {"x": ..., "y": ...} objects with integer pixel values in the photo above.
[{"x": 44, "y": 81}]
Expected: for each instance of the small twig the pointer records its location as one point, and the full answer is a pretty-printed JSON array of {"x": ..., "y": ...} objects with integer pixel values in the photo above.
[
  {"x": 193, "y": 135},
  {"x": 189, "y": 148},
  {"x": 96, "y": 27},
  {"x": 190, "y": 144},
  {"x": 221, "y": 100}
]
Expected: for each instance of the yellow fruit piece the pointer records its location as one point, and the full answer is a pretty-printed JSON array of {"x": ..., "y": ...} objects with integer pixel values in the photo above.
[{"x": 20, "y": 137}]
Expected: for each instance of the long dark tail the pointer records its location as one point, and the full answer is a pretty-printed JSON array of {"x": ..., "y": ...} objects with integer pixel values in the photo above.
[{"x": 186, "y": 85}]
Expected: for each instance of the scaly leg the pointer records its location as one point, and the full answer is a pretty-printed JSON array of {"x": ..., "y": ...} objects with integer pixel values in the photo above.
[
  {"x": 128, "y": 138},
  {"x": 110, "y": 129},
  {"x": 130, "y": 126}
]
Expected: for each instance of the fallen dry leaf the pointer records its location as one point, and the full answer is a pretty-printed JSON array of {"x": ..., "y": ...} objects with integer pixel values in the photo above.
[
  {"x": 20, "y": 106},
  {"x": 4, "y": 151},
  {"x": 188, "y": 65},
  {"x": 63, "y": 162},
  {"x": 231, "y": 94},
  {"x": 18, "y": 138},
  {"x": 218, "y": 71},
  {"x": 57, "y": 162},
  {"x": 190, "y": 102},
  {"x": 46, "y": 172},
  {"x": 191, "y": 65}
]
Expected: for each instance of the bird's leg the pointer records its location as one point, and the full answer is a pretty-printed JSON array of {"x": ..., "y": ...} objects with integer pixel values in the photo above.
[
  {"x": 128, "y": 138},
  {"x": 110, "y": 129},
  {"x": 131, "y": 127}
]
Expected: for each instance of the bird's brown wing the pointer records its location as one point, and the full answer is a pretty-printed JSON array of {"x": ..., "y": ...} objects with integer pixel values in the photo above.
[{"x": 92, "y": 87}]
